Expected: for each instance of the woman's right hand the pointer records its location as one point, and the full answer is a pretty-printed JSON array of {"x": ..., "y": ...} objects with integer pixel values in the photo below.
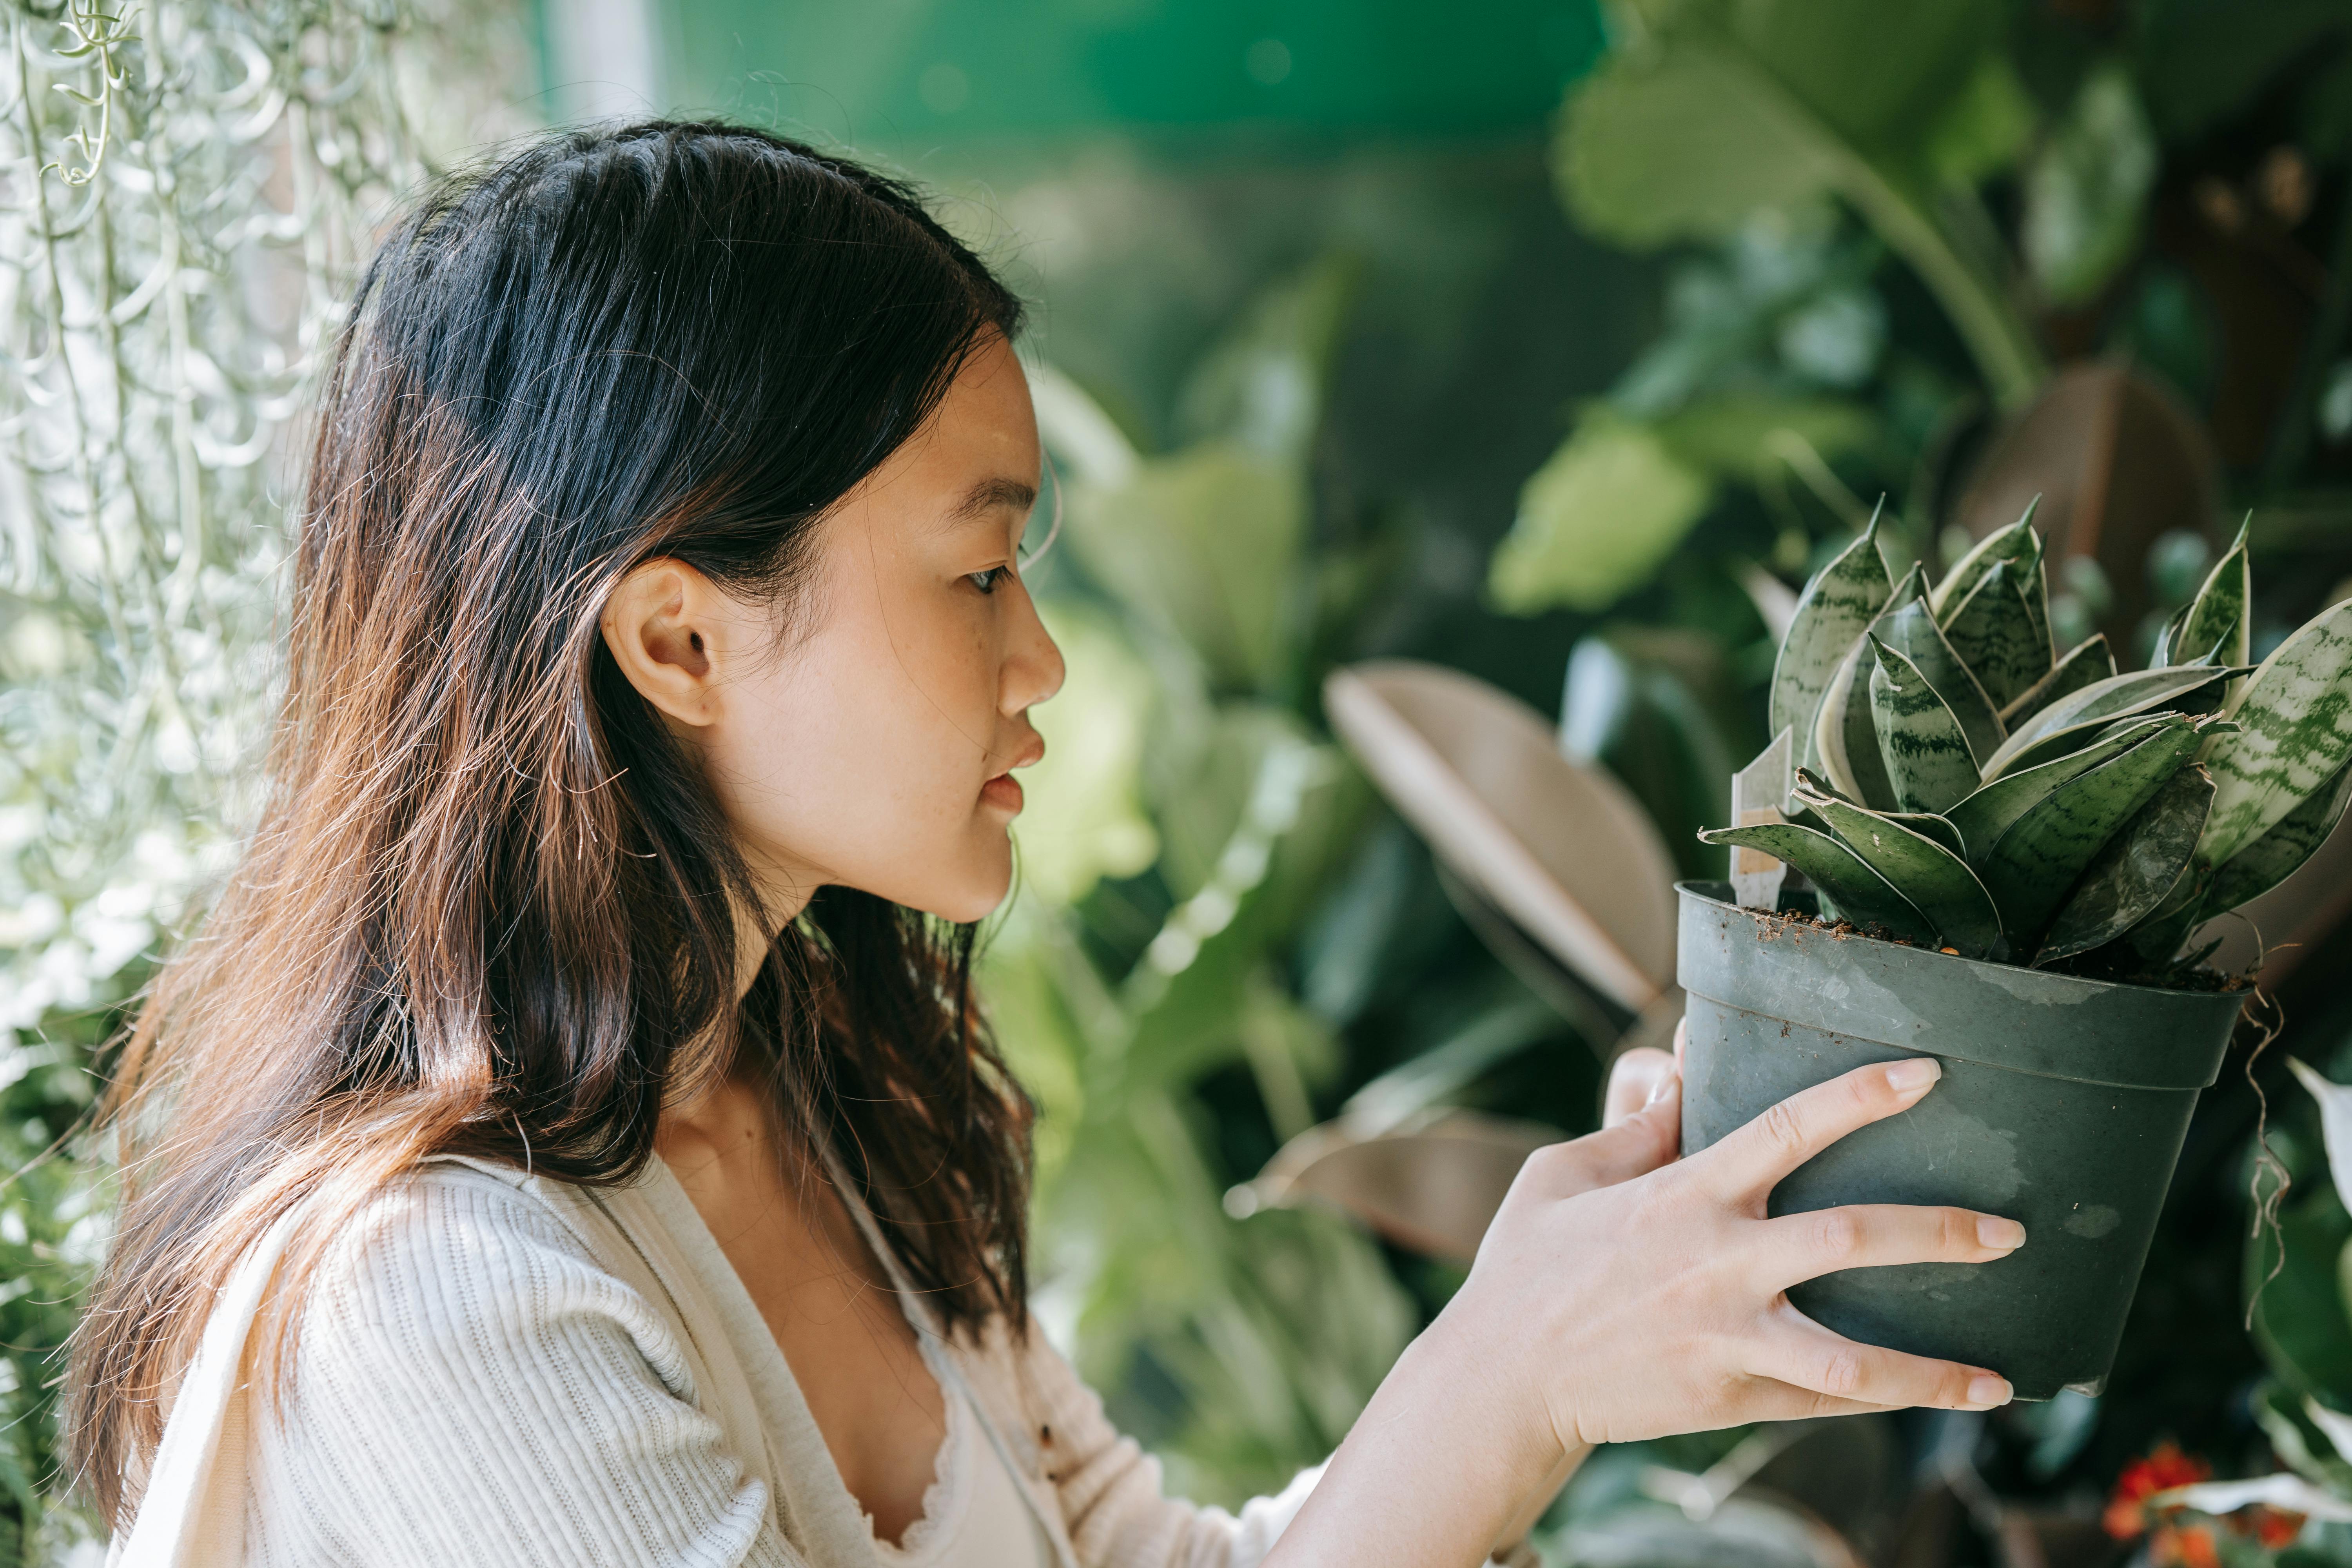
[
  {"x": 1623, "y": 1293},
  {"x": 1656, "y": 1302}
]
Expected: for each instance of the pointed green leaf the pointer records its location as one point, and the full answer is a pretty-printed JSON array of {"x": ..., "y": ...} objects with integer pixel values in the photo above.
[
  {"x": 2157, "y": 937},
  {"x": 1937, "y": 882},
  {"x": 1993, "y": 633},
  {"x": 1812, "y": 782},
  {"x": 1844, "y": 745},
  {"x": 1911, "y": 632},
  {"x": 2035, "y": 585},
  {"x": 2271, "y": 859},
  {"x": 2177, "y": 687},
  {"x": 2017, "y": 542},
  {"x": 2168, "y": 641},
  {"x": 1927, "y": 824},
  {"x": 1826, "y": 750},
  {"x": 2129, "y": 880},
  {"x": 2295, "y": 723},
  {"x": 1865, "y": 761},
  {"x": 2090, "y": 661},
  {"x": 2045, "y": 851},
  {"x": 1860, "y": 894},
  {"x": 1926, "y": 752},
  {"x": 1985, "y": 816},
  {"x": 2217, "y": 615},
  {"x": 1830, "y": 614}
]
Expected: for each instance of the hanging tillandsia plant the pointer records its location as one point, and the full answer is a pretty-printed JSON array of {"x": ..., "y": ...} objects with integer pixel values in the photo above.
[
  {"x": 185, "y": 191},
  {"x": 1955, "y": 783},
  {"x": 188, "y": 190}
]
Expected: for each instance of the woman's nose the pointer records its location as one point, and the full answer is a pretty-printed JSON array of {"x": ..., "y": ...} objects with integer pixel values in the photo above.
[{"x": 1032, "y": 665}]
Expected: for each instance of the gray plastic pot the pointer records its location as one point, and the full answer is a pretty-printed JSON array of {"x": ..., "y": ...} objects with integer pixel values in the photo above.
[{"x": 2062, "y": 1106}]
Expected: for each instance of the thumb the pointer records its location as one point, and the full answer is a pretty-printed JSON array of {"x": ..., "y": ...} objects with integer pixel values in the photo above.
[
  {"x": 1642, "y": 1141},
  {"x": 1634, "y": 1080}
]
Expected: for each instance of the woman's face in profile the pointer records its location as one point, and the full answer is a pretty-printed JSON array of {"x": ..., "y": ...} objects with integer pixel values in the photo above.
[{"x": 869, "y": 741}]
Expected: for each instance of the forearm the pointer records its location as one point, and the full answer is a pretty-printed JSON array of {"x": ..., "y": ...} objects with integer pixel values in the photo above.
[
  {"x": 1533, "y": 1506},
  {"x": 1444, "y": 1466}
]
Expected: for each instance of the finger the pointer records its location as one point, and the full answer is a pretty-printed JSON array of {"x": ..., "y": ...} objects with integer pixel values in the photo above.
[
  {"x": 1641, "y": 1143},
  {"x": 1769, "y": 1399},
  {"x": 1754, "y": 1158},
  {"x": 1682, "y": 1041},
  {"x": 1797, "y": 1351},
  {"x": 1801, "y": 1246},
  {"x": 1634, "y": 1079}
]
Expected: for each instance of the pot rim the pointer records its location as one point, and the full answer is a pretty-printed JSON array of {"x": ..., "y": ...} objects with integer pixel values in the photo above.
[
  {"x": 1718, "y": 893},
  {"x": 2001, "y": 1015}
]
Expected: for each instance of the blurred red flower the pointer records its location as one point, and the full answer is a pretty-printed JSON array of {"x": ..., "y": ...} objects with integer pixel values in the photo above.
[{"x": 2166, "y": 1467}]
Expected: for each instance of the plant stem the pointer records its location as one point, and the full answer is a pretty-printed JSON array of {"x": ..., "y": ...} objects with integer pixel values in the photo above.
[{"x": 2002, "y": 345}]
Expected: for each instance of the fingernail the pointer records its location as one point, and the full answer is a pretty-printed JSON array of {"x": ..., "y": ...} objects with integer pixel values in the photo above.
[
  {"x": 1912, "y": 1077},
  {"x": 1994, "y": 1231},
  {"x": 1658, "y": 1090},
  {"x": 1986, "y": 1391}
]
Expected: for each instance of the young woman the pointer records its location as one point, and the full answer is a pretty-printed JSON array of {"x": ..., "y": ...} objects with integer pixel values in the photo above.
[{"x": 570, "y": 1138}]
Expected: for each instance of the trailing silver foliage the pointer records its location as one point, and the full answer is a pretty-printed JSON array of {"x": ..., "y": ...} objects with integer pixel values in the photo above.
[{"x": 188, "y": 190}]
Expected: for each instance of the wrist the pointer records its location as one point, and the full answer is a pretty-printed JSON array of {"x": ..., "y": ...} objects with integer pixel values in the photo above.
[{"x": 1499, "y": 1398}]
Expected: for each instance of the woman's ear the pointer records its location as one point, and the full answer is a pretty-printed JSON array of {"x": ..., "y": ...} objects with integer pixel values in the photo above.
[{"x": 661, "y": 624}]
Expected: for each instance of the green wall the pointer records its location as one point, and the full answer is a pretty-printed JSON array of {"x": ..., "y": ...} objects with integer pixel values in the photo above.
[{"x": 873, "y": 72}]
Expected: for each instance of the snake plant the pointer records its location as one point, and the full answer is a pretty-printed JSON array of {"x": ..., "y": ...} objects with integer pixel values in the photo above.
[{"x": 1951, "y": 781}]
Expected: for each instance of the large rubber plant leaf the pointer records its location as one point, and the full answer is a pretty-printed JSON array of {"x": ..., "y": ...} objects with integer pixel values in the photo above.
[
  {"x": 1911, "y": 632},
  {"x": 1937, "y": 882},
  {"x": 2065, "y": 724},
  {"x": 1924, "y": 749},
  {"x": 2044, "y": 853},
  {"x": 1879, "y": 77},
  {"x": 1832, "y": 612},
  {"x": 2274, "y": 857},
  {"x": 1986, "y": 814},
  {"x": 1860, "y": 894},
  {"x": 1597, "y": 519},
  {"x": 1993, "y": 633},
  {"x": 2294, "y": 731},
  {"x": 2128, "y": 879},
  {"x": 2089, "y": 662}
]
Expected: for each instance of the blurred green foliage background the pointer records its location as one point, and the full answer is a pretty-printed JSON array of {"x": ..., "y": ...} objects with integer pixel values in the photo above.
[{"x": 1551, "y": 343}]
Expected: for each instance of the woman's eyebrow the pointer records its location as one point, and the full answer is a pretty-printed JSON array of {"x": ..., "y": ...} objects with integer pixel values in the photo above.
[{"x": 990, "y": 494}]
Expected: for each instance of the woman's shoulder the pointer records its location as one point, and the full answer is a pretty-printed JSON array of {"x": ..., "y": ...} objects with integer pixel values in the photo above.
[
  {"x": 475, "y": 1381},
  {"x": 457, "y": 1265}
]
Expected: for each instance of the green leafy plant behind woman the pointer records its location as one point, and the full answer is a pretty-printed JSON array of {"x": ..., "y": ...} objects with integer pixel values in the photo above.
[{"x": 1952, "y": 781}]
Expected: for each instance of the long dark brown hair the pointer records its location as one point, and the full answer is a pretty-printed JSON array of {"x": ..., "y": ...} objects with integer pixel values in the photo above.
[{"x": 490, "y": 906}]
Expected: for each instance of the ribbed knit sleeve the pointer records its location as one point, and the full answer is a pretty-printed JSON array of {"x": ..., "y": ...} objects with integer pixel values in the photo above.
[
  {"x": 1107, "y": 1488},
  {"x": 471, "y": 1387}
]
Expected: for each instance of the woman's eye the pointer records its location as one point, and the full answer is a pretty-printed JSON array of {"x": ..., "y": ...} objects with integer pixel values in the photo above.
[{"x": 986, "y": 581}]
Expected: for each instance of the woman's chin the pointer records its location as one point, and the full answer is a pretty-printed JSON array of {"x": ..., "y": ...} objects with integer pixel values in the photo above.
[{"x": 972, "y": 896}]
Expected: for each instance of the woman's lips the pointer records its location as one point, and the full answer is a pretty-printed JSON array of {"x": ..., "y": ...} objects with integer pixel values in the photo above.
[{"x": 1003, "y": 790}]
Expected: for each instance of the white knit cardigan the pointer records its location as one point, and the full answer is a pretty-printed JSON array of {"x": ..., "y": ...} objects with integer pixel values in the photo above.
[{"x": 500, "y": 1369}]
